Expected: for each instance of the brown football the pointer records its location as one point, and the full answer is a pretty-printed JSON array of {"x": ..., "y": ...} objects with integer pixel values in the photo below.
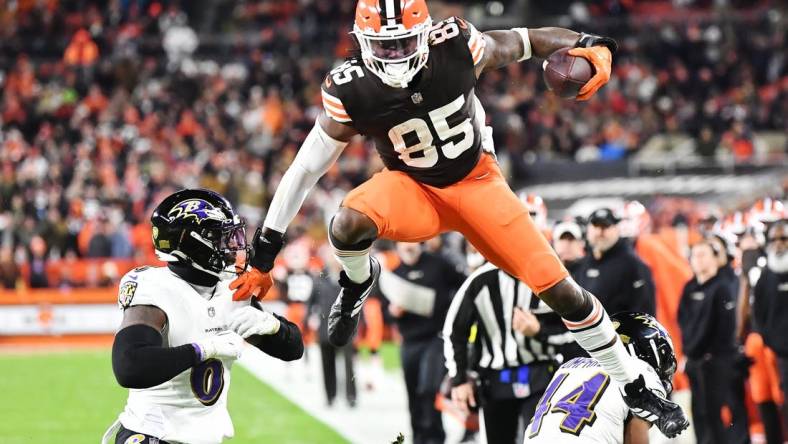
[{"x": 565, "y": 74}]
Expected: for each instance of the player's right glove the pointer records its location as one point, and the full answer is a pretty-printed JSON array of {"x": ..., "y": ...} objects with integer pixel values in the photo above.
[
  {"x": 248, "y": 321},
  {"x": 257, "y": 281},
  {"x": 225, "y": 345},
  {"x": 647, "y": 400},
  {"x": 598, "y": 50}
]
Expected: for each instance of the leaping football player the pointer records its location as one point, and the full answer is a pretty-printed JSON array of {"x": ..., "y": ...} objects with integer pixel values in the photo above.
[
  {"x": 411, "y": 89},
  {"x": 181, "y": 330}
]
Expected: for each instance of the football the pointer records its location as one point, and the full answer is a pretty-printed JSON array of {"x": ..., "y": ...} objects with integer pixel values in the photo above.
[{"x": 565, "y": 74}]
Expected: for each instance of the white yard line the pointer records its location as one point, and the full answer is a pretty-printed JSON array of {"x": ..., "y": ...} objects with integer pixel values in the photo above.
[{"x": 379, "y": 415}]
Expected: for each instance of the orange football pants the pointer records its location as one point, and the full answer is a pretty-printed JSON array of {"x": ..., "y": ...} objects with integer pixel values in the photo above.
[{"x": 481, "y": 206}]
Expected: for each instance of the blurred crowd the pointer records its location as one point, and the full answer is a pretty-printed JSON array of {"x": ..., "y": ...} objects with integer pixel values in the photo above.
[{"x": 108, "y": 106}]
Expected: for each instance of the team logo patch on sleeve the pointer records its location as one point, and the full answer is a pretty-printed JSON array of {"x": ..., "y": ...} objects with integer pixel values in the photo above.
[
  {"x": 126, "y": 293},
  {"x": 135, "y": 439}
]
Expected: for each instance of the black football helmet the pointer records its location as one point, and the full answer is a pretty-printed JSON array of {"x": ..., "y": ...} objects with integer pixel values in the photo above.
[
  {"x": 647, "y": 340},
  {"x": 199, "y": 228}
]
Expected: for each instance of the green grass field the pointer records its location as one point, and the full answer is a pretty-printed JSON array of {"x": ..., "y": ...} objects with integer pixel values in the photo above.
[
  {"x": 389, "y": 353},
  {"x": 73, "y": 397}
]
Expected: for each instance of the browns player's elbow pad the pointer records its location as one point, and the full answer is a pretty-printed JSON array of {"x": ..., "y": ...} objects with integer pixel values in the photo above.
[{"x": 589, "y": 40}]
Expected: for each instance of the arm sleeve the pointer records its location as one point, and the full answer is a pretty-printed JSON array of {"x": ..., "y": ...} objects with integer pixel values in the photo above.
[
  {"x": 642, "y": 290},
  {"x": 725, "y": 313},
  {"x": 286, "y": 344},
  {"x": 318, "y": 152},
  {"x": 457, "y": 328},
  {"x": 139, "y": 360},
  {"x": 759, "y": 305}
]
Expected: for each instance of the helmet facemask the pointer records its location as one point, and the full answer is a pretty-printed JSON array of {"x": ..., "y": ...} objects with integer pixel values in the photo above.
[
  {"x": 213, "y": 250},
  {"x": 200, "y": 229},
  {"x": 395, "y": 54}
]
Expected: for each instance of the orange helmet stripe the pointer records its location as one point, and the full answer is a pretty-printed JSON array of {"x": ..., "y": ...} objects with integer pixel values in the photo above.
[
  {"x": 414, "y": 12},
  {"x": 372, "y": 14},
  {"x": 368, "y": 15}
]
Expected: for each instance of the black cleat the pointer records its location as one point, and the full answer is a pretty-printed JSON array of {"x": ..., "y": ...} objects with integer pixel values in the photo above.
[
  {"x": 650, "y": 406},
  {"x": 344, "y": 314}
]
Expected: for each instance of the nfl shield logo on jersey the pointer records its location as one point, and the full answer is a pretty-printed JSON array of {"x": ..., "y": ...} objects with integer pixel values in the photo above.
[
  {"x": 417, "y": 98},
  {"x": 211, "y": 312}
]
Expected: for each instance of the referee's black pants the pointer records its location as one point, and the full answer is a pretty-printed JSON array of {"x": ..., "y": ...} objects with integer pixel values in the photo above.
[
  {"x": 505, "y": 420},
  {"x": 422, "y": 363}
]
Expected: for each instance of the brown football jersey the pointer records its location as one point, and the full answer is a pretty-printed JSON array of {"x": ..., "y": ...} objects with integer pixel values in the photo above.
[{"x": 431, "y": 130}]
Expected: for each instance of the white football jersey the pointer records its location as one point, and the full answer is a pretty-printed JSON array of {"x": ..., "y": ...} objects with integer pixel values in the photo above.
[
  {"x": 192, "y": 406},
  {"x": 582, "y": 404}
]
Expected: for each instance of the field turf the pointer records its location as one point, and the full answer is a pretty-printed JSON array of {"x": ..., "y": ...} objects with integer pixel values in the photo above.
[{"x": 73, "y": 397}]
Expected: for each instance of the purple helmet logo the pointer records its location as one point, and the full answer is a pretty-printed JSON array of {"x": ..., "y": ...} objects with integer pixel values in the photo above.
[{"x": 196, "y": 209}]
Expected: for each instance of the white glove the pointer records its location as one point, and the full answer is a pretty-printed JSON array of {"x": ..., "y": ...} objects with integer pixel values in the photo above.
[
  {"x": 653, "y": 384},
  {"x": 248, "y": 321},
  {"x": 225, "y": 345}
]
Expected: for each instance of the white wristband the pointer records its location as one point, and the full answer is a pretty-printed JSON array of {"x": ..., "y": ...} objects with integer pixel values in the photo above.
[{"x": 526, "y": 43}]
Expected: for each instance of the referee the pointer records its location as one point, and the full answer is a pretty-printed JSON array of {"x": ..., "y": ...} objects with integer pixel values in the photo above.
[{"x": 518, "y": 342}]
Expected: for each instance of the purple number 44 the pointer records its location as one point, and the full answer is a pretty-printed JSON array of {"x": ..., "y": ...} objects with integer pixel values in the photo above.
[{"x": 577, "y": 406}]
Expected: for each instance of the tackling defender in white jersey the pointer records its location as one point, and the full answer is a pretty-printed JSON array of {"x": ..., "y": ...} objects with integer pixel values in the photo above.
[
  {"x": 182, "y": 331},
  {"x": 582, "y": 404}
]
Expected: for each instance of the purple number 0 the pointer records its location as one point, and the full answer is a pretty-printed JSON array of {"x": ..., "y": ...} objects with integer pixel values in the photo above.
[
  {"x": 577, "y": 406},
  {"x": 207, "y": 381}
]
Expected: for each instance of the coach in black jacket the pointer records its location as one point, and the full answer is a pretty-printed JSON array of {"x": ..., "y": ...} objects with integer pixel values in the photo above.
[
  {"x": 612, "y": 271},
  {"x": 707, "y": 318},
  {"x": 421, "y": 277},
  {"x": 770, "y": 301}
]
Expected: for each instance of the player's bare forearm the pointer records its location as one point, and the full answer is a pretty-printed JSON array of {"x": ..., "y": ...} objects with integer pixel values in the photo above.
[
  {"x": 506, "y": 46},
  {"x": 545, "y": 41},
  {"x": 501, "y": 49}
]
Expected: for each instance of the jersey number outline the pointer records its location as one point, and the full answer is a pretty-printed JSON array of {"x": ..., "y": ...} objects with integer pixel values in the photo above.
[
  {"x": 344, "y": 73},
  {"x": 440, "y": 35},
  {"x": 207, "y": 381},
  {"x": 577, "y": 406},
  {"x": 419, "y": 128}
]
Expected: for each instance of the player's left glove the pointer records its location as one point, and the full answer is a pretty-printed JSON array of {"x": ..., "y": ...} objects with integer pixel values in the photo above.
[
  {"x": 257, "y": 281},
  {"x": 599, "y": 51},
  {"x": 248, "y": 321}
]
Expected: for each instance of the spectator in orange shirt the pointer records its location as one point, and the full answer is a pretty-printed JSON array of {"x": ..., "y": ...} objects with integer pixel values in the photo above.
[
  {"x": 82, "y": 51},
  {"x": 95, "y": 100}
]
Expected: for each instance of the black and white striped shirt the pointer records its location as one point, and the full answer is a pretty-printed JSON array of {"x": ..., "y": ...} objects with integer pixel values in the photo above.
[{"x": 487, "y": 298}]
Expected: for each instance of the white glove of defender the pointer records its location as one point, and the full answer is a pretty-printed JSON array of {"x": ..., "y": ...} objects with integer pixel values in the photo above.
[
  {"x": 653, "y": 383},
  {"x": 248, "y": 321},
  {"x": 225, "y": 345}
]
